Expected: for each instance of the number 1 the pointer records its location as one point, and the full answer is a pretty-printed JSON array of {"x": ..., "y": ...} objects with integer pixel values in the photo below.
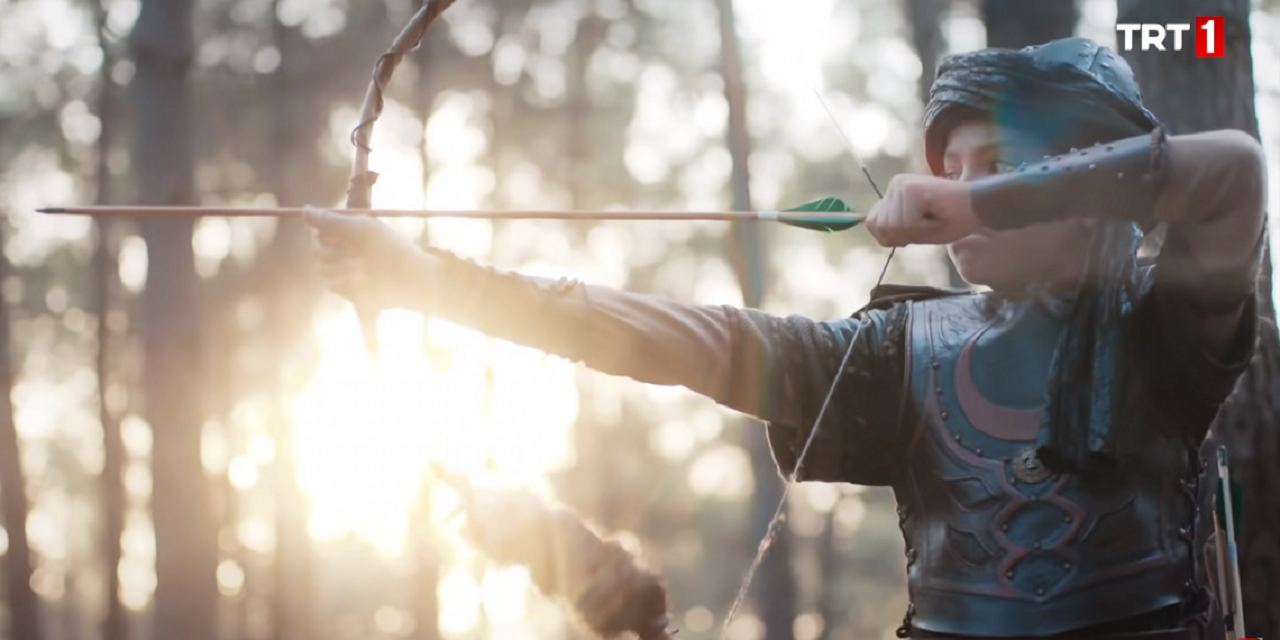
[{"x": 1210, "y": 39}]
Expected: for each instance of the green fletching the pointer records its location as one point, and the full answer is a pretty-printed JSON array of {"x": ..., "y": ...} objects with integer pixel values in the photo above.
[
  {"x": 821, "y": 223},
  {"x": 825, "y": 205},
  {"x": 1237, "y": 505}
]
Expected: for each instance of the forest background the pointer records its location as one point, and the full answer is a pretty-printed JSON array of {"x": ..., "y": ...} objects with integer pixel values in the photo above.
[{"x": 272, "y": 484}]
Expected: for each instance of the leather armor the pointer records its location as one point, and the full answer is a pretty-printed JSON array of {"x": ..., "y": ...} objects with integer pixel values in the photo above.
[{"x": 997, "y": 546}]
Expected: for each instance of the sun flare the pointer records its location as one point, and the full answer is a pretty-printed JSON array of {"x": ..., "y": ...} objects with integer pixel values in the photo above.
[{"x": 367, "y": 429}]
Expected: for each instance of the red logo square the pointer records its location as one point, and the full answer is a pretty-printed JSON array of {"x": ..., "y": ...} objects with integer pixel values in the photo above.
[{"x": 1209, "y": 37}]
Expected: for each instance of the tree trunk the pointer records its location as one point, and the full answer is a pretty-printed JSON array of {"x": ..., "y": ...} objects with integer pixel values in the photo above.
[
  {"x": 115, "y": 624},
  {"x": 580, "y": 172},
  {"x": 829, "y": 606},
  {"x": 1191, "y": 94},
  {"x": 186, "y": 595},
  {"x": 289, "y": 296},
  {"x": 425, "y": 552},
  {"x": 774, "y": 588},
  {"x": 1013, "y": 24},
  {"x": 925, "y": 17},
  {"x": 24, "y": 605}
]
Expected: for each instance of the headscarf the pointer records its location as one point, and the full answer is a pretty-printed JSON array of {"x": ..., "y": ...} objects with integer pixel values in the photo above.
[{"x": 1066, "y": 94}]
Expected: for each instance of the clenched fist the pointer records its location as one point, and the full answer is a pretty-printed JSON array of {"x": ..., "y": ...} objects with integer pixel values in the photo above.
[
  {"x": 922, "y": 210},
  {"x": 361, "y": 258}
]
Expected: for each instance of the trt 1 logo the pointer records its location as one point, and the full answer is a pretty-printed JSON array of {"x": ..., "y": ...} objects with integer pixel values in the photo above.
[{"x": 1208, "y": 35}]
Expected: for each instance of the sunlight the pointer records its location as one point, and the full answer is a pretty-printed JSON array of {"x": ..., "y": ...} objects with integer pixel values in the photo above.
[
  {"x": 366, "y": 430},
  {"x": 36, "y": 180},
  {"x": 790, "y": 41}
]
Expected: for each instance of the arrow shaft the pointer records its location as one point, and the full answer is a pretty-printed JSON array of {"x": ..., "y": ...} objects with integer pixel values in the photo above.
[{"x": 273, "y": 212}]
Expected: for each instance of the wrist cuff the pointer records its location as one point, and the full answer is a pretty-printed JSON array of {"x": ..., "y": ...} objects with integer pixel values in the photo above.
[{"x": 1116, "y": 180}]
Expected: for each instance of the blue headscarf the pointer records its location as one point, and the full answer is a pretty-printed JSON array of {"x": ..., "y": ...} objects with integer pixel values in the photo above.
[{"x": 1069, "y": 93}]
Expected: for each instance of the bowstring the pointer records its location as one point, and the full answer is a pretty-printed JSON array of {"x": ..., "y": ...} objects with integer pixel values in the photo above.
[{"x": 771, "y": 534}]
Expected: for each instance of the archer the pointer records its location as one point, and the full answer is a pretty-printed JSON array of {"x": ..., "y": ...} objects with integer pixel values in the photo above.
[{"x": 1042, "y": 437}]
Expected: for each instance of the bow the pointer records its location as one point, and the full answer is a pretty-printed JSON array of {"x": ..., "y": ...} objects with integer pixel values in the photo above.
[
  {"x": 608, "y": 588},
  {"x": 360, "y": 184}
]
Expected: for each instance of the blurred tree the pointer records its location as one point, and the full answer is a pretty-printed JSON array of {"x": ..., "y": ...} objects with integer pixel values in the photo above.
[
  {"x": 1191, "y": 94},
  {"x": 284, "y": 285},
  {"x": 186, "y": 595},
  {"x": 426, "y": 552},
  {"x": 925, "y": 18},
  {"x": 106, "y": 275},
  {"x": 24, "y": 604},
  {"x": 576, "y": 174},
  {"x": 773, "y": 586},
  {"x": 1013, "y": 24}
]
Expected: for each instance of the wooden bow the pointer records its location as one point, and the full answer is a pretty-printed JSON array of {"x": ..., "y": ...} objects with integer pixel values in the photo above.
[
  {"x": 605, "y": 584},
  {"x": 360, "y": 184}
]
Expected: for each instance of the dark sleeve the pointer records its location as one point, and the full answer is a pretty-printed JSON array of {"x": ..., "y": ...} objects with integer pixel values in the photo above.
[
  {"x": 857, "y": 440},
  {"x": 1188, "y": 379},
  {"x": 1202, "y": 305}
]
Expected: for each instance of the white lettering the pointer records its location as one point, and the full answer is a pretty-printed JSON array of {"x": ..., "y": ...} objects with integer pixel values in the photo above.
[
  {"x": 1128, "y": 30},
  {"x": 1210, "y": 37},
  {"x": 1152, "y": 36}
]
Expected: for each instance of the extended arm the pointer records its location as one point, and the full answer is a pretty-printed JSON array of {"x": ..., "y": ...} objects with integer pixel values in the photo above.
[{"x": 775, "y": 368}]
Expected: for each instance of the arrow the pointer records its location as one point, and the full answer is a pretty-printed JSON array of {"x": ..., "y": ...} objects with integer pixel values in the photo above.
[{"x": 827, "y": 214}]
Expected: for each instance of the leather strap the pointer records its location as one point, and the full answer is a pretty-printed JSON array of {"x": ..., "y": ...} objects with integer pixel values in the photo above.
[
  {"x": 1187, "y": 633},
  {"x": 887, "y": 295}
]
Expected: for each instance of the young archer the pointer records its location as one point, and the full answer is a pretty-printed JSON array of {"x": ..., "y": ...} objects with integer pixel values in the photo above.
[{"x": 1041, "y": 437}]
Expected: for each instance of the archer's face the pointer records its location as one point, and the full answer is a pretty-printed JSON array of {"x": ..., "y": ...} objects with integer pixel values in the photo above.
[{"x": 1047, "y": 253}]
